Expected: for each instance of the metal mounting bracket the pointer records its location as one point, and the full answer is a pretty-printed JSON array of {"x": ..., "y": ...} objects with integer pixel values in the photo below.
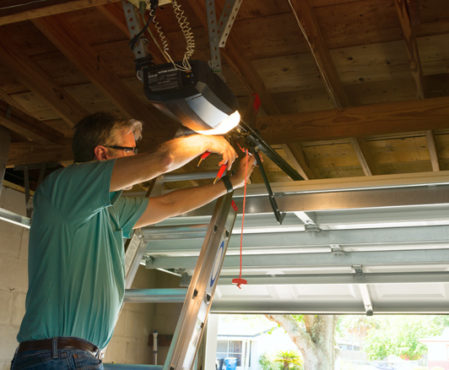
[
  {"x": 338, "y": 250},
  {"x": 134, "y": 27},
  {"x": 219, "y": 31}
]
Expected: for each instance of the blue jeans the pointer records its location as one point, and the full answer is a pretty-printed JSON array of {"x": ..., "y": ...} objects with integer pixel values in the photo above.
[{"x": 61, "y": 359}]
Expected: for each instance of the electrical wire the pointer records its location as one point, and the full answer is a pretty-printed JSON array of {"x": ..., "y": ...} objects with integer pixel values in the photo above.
[
  {"x": 153, "y": 37},
  {"x": 186, "y": 31},
  {"x": 133, "y": 41},
  {"x": 164, "y": 47}
]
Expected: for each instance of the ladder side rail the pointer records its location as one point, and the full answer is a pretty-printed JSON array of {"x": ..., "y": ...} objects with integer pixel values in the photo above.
[{"x": 199, "y": 297}]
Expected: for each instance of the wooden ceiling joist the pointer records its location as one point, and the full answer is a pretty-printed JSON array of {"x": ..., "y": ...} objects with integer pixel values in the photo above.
[
  {"x": 9, "y": 100},
  {"x": 432, "y": 147},
  {"x": 246, "y": 70},
  {"x": 241, "y": 64},
  {"x": 39, "y": 82},
  {"x": 27, "y": 126},
  {"x": 114, "y": 12},
  {"x": 361, "y": 156},
  {"x": 25, "y": 153},
  {"x": 295, "y": 156},
  {"x": 377, "y": 119},
  {"x": 26, "y": 10},
  {"x": 310, "y": 29},
  {"x": 404, "y": 14},
  {"x": 98, "y": 71}
]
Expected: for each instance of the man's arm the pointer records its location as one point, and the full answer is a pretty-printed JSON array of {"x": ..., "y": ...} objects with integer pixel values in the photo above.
[
  {"x": 181, "y": 201},
  {"x": 169, "y": 156}
]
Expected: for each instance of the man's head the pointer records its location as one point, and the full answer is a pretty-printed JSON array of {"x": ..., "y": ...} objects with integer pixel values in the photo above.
[{"x": 104, "y": 136}]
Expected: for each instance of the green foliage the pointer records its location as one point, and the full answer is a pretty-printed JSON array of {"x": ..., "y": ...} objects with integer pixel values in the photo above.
[
  {"x": 392, "y": 335},
  {"x": 299, "y": 318},
  {"x": 267, "y": 364},
  {"x": 283, "y": 360},
  {"x": 289, "y": 360}
]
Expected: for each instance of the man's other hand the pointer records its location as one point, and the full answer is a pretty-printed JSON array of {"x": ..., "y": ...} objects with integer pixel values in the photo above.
[
  {"x": 219, "y": 145},
  {"x": 238, "y": 179}
]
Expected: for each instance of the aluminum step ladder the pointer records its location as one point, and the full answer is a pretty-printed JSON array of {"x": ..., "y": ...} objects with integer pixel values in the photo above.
[{"x": 200, "y": 294}]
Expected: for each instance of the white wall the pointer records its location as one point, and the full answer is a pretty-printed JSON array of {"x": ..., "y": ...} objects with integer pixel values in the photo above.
[{"x": 137, "y": 321}]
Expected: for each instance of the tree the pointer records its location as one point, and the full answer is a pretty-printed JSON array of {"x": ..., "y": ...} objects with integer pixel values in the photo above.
[
  {"x": 314, "y": 337},
  {"x": 400, "y": 335}
]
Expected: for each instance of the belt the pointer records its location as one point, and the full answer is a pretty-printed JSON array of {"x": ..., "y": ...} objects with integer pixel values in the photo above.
[{"x": 61, "y": 343}]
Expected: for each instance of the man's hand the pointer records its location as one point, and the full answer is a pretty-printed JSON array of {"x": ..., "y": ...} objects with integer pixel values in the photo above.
[
  {"x": 170, "y": 156},
  {"x": 219, "y": 145},
  {"x": 184, "y": 200},
  {"x": 238, "y": 179}
]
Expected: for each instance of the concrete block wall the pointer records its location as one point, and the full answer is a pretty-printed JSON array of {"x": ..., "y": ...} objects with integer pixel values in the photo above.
[
  {"x": 137, "y": 321},
  {"x": 129, "y": 344},
  {"x": 166, "y": 315},
  {"x": 13, "y": 275}
]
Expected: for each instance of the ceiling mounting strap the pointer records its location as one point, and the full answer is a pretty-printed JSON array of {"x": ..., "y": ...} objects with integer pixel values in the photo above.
[
  {"x": 226, "y": 21},
  {"x": 134, "y": 29},
  {"x": 219, "y": 31}
]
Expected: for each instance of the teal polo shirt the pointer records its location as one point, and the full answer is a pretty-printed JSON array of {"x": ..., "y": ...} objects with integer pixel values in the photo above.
[{"x": 76, "y": 255}]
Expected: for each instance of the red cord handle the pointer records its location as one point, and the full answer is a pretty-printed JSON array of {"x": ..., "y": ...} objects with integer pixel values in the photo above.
[{"x": 240, "y": 281}]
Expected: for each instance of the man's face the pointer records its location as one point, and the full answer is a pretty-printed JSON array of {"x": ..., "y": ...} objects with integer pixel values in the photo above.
[{"x": 124, "y": 146}]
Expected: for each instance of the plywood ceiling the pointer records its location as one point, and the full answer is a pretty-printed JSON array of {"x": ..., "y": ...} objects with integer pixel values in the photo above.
[{"x": 348, "y": 87}]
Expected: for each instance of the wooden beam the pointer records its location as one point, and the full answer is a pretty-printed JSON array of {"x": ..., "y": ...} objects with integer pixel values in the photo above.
[
  {"x": 114, "y": 12},
  {"x": 7, "y": 99},
  {"x": 78, "y": 51},
  {"x": 23, "y": 153},
  {"x": 378, "y": 119},
  {"x": 241, "y": 64},
  {"x": 39, "y": 82},
  {"x": 32, "y": 10},
  {"x": 361, "y": 156},
  {"x": 310, "y": 29},
  {"x": 404, "y": 15},
  {"x": 432, "y": 147},
  {"x": 27, "y": 126},
  {"x": 5, "y": 142},
  {"x": 295, "y": 156}
]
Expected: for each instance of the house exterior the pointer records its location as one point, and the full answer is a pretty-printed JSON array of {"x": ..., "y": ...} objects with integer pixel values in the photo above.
[{"x": 438, "y": 351}]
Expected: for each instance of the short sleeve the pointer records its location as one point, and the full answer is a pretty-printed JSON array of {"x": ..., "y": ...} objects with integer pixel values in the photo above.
[
  {"x": 128, "y": 211},
  {"x": 79, "y": 191}
]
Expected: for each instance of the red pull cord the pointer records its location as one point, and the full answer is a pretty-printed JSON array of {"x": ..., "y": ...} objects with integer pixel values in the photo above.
[{"x": 239, "y": 281}]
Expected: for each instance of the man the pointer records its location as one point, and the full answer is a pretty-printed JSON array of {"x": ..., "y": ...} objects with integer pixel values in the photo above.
[{"x": 76, "y": 255}]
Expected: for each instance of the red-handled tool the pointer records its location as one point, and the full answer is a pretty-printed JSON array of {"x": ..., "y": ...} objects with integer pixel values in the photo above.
[
  {"x": 220, "y": 172},
  {"x": 203, "y": 157}
]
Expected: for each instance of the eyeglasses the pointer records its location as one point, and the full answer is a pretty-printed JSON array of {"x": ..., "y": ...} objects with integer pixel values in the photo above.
[{"x": 127, "y": 149}]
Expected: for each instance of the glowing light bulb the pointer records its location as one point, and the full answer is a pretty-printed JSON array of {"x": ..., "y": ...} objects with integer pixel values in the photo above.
[{"x": 224, "y": 126}]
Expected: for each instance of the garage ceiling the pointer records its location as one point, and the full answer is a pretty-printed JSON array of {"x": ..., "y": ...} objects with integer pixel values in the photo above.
[{"x": 354, "y": 94}]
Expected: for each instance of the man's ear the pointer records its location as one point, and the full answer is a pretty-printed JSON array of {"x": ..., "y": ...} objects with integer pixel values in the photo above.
[{"x": 101, "y": 153}]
